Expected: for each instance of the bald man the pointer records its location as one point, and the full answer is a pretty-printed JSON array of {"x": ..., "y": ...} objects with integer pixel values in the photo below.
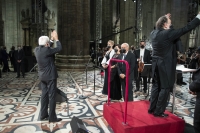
[{"x": 130, "y": 58}]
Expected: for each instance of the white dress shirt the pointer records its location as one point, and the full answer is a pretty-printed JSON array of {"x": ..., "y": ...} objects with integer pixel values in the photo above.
[{"x": 142, "y": 54}]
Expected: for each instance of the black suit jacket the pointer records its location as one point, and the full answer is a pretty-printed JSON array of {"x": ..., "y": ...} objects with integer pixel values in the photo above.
[
  {"x": 162, "y": 56},
  {"x": 195, "y": 85},
  {"x": 130, "y": 58},
  {"x": 19, "y": 55},
  {"x": 146, "y": 57},
  {"x": 45, "y": 60}
]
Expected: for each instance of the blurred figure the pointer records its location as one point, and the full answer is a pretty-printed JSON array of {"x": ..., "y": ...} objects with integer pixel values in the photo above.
[
  {"x": 92, "y": 54},
  {"x": 19, "y": 59},
  {"x": 132, "y": 49},
  {"x": 194, "y": 60},
  {"x": 194, "y": 88},
  {"x": 5, "y": 59},
  {"x": 12, "y": 58}
]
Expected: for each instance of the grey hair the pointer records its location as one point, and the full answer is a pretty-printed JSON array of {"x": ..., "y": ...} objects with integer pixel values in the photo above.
[
  {"x": 43, "y": 40},
  {"x": 126, "y": 44}
]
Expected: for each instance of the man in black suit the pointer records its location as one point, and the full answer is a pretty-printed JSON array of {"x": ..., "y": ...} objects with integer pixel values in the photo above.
[
  {"x": 162, "y": 61},
  {"x": 19, "y": 59},
  {"x": 130, "y": 58},
  {"x": 142, "y": 55},
  {"x": 48, "y": 75}
]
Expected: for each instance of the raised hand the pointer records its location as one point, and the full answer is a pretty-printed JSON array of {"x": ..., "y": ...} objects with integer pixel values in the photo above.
[{"x": 54, "y": 35}]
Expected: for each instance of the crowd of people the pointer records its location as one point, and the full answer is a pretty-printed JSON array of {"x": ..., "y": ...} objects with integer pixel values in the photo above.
[
  {"x": 16, "y": 58},
  {"x": 164, "y": 57},
  {"x": 166, "y": 54}
]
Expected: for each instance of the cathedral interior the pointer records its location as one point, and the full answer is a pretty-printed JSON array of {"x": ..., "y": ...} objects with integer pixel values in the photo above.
[{"x": 81, "y": 26}]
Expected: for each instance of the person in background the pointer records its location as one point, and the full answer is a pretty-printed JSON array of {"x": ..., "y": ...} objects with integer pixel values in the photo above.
[
  {"x": 12, "y": 58},
  {"x": 194, "y": 88},
  {"x": 130, "y": 58},
  {"x": 105, "y": 62},
  {"x": 5, "y": 59},
  {"x": 132, "y": 49},
  {"x": 142, "y": 55},
  {"x": 115, "y": 85},
  {"x": 19, "y": 59}
]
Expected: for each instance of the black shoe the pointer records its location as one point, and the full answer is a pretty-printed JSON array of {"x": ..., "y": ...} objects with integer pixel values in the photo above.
[
  {"x": 136, "y": 90},
  {"x": 183, "y": 83},
  {"x": 150, "y": 111},
  {"x": 161, "y": 115},
  {"x": 23, "y": 76},
  {"x": 145, "y": 91},
  {"x": 17, "y": 76},
  {"x": 57, "y": 120},
  {"x": 44, "y": 118}
]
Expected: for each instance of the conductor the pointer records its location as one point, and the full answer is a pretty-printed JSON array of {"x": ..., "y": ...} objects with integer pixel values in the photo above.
[
  {"x": 162, "y": 61},
  {"x": 48, "y": 75}
]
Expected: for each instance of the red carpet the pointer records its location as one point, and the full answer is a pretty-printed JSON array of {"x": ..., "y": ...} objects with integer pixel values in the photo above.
[{"x": 138, "y": 119}]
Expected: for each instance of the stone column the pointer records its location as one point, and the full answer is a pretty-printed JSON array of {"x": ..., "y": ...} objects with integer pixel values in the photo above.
[
  {"x": 98, "y": 22},
  {"x": 73, "y": 26},
  {"x": 25, "y": 26},
  {"x": 107, "y": 23},
  {"x": 74, "y": 33},
  {"x": 1, "y": 26},
  {"x": 127, "y": 20}
]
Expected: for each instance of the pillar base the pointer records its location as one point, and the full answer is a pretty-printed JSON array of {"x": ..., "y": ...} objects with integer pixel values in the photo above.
[{"x": 72, "y": 62}]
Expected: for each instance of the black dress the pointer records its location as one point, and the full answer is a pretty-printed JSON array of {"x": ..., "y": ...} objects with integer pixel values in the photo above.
[
  {"x": 105, "y": 86},
  {"x": 115, "y": 84}
]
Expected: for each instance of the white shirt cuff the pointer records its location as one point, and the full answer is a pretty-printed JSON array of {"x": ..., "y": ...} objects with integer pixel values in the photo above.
[{"x": 198, "y": 16}]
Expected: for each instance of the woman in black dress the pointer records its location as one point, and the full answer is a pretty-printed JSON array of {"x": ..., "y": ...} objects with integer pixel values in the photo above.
[
  {"x": 105, "y": 62},
  {"x": 115, "y": 84}
]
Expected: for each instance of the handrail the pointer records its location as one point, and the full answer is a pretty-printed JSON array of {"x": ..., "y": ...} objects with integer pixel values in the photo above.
[{"x": 127, "y": 77}]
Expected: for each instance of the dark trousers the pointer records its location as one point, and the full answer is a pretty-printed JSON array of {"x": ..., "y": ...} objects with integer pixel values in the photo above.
[
  {"x": 14, "y": 65},
  {"x": 144, "y": 83},
  {"x": 197, "y": 117},
  {"x": 5, "y": 65},
  {"x": 159, "y": 96},
  {"x": 49, "y": 89},
  {"x": 20, "y": 67},
  {"x": 130, "y": 88}
]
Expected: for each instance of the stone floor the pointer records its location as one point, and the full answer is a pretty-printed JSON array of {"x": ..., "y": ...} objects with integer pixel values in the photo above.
[{"x": 20, "y": 103}]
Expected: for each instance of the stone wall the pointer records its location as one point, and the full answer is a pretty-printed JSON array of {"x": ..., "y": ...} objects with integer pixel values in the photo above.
[{"x": 11, "y": 11}]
